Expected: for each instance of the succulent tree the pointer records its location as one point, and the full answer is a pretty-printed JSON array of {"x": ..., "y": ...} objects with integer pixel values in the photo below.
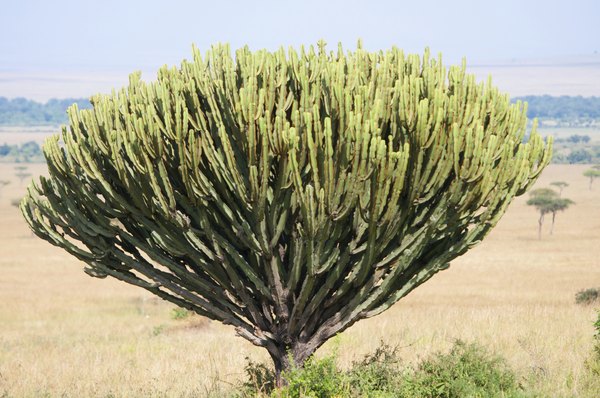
[
  {"x": 289, "y": 194},
  {"x": 547, "y": 201}
]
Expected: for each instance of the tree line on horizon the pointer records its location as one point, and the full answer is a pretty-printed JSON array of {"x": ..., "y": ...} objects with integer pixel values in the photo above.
[
  {"x": 22, "y": 111},
  {"x": 562, "y": 107},
  {"x": 25, "y": 112}
]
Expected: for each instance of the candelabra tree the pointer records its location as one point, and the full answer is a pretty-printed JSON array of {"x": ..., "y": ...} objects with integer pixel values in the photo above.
[{"x": 289, "y": 194}]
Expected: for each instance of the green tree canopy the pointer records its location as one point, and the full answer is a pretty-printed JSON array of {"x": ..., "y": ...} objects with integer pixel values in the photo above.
[
  {"x": 592, "y": 174},
  {"x": 547, "y": 201},
  {"x": 560, "y": 185},
  {"x": 287, "y": 194}
]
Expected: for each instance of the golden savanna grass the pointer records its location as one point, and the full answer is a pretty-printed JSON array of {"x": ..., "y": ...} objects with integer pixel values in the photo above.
[{"x": 65, "y": 334}]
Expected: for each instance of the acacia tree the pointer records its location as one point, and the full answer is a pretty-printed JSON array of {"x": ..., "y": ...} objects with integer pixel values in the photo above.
[
  {"x": 21, "y": 173},
  {"x": 560, "y": 185},
  {"x": 287, "y": 194},
  {"x": 547, "y": 201},
  {"x": 3, "y": 183},
  {"x": 592, "y": 173}
]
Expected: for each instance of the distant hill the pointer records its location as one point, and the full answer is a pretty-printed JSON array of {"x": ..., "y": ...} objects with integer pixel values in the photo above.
[{"x": 25, "y": 112}]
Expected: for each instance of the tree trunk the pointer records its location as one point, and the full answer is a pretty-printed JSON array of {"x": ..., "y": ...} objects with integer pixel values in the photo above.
[
  {"x": 552, "y": 226},
  {"x": 540, "y": 222},
  {"x": 289, "y": 357}
]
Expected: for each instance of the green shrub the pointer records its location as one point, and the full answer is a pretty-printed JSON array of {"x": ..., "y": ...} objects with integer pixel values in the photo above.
[
  {"x": 591, "y": 379},
  {"x": 593, "y": 364},
  {"x": 260, "y": 380},
  {"x": 378, "y": 374},
  {"x": 588, "y": 296},
  {"x": 466, "y": 371},
  {"x": 180, "y": 313},
  {"x": 319, "y": 378}
]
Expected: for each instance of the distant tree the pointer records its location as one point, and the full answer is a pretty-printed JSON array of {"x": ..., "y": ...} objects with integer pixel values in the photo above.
[
  {"x": 560, "y": 185},
  {"x": 562, "y": 108},
  {"x": 30, "y": 149},
  {"x": 5, "y": 149},
  {"x": 579, "y": 156},
  {"x": 547, "y": 201},
  {"x": 3, "y": 183},
  {"x": 559, "y": 204},
  {"x": 27, "y": 152},
  {"x": 579, "y": 138},
  {"x": 21, "y": 111},
  {"x": 22, "y": 173},
  {"x": 592, "y": 174}
]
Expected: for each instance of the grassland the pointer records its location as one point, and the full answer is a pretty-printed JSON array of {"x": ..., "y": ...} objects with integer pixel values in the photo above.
[
  {"x": 18, "y": 135},
  {"x": 566, "y": 132},
  {"x": 65, "y": 334}
]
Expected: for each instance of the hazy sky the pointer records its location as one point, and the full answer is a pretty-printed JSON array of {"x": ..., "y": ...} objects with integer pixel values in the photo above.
[
  {"x": 145, "y": 33},
  {"x": 120, "y": 35}
]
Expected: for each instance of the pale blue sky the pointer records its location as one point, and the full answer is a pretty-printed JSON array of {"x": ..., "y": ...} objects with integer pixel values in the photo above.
[
  {"x": 66, "y": 39},
  {"x": 37, "y": 34}
]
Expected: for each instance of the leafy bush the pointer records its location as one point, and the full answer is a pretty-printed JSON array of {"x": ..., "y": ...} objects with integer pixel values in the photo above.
[
  {"x": 588, "y": 296},
  {"x": 261, "y": 380},
  {"x": 466, "y": 371},
  {"x": 377, "y": 374},
  {"x": 319, "y": 378},
  {"x": 591, "y": 379},
  {"x": 594, "y": 362}
]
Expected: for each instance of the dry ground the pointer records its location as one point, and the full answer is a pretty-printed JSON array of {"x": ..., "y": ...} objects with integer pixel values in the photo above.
[{"x": 65, "y": 334}]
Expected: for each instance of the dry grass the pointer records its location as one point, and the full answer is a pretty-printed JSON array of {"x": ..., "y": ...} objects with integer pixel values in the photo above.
[{"x": 63, "y": 333}]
